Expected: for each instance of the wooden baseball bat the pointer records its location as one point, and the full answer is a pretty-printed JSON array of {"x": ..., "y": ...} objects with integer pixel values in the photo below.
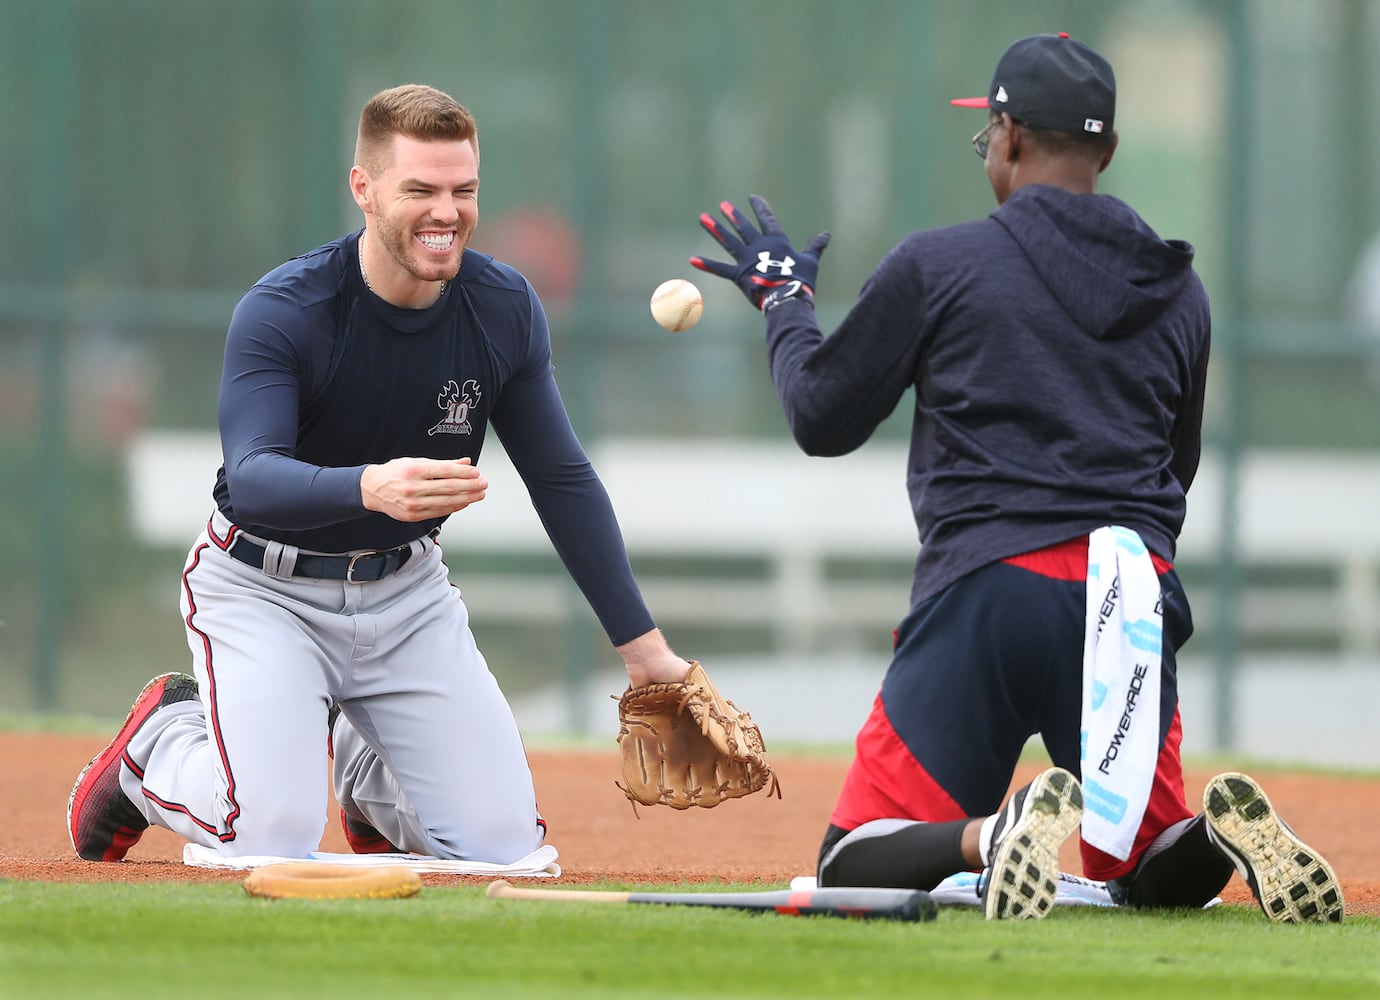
[{"x": 861, "y": 902}]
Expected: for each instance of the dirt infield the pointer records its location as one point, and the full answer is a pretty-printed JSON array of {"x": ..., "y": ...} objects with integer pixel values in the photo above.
[{"x": 600, "y": 839}]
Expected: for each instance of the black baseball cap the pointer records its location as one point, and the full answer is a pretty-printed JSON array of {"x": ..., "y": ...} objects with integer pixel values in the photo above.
[{"x": 1052, "y": 81}]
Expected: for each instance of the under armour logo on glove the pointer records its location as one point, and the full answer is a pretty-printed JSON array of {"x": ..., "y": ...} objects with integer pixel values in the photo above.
[{"x": 765, "y": 265}]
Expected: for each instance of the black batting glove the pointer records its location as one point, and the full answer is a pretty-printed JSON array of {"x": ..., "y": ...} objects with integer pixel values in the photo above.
[{"x": 765, "y": 265}]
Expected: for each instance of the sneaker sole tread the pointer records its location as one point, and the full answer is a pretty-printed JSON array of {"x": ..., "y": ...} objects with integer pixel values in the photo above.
[
  {"x": 1291, "y": 881},
  {"x": 1024, "y": 873}
]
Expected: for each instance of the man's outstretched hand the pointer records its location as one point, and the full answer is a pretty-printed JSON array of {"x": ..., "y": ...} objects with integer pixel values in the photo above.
[{"x": 765, "y": 265}]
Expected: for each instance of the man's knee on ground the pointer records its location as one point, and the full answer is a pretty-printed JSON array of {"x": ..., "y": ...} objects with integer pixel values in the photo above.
[
  {"x": 281, "y": 833},
  {"x": 494, "y": 840}
]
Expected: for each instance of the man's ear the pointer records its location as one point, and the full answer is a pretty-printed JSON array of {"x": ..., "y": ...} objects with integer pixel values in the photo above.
[
  {"x": 1107, "y": 156},
  {"x": 359, "y": 186},
  {"x": 1013, "y": 137}
]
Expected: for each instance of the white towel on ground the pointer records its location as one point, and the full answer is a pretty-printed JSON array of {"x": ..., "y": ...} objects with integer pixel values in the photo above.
[
  {"x": 1123, "y": 640},
  {"x": 961, "y": 890},
  {"x": 541, "y": 863}
]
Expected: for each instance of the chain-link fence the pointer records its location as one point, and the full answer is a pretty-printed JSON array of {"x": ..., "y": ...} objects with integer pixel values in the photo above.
[{"x": 162, "y": 154}]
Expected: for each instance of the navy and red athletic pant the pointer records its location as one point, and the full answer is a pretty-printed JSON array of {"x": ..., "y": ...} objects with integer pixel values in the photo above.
[{"x": 979, "y": 669}]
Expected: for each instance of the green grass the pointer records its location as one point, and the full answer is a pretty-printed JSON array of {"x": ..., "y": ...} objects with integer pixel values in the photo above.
[{"x": 211, "y": 940}]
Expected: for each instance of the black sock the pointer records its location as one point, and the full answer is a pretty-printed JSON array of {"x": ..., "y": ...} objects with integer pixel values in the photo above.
[
  {"x": 1189, "y": 872},
  {"x": 914, "y": 856}
]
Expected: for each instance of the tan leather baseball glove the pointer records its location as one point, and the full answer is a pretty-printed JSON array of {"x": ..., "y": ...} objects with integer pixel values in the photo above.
[{"x": 687, "y": 745}]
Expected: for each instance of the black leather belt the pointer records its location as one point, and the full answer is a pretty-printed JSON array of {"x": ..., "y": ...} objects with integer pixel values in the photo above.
[{"x": 364, "y": 567}]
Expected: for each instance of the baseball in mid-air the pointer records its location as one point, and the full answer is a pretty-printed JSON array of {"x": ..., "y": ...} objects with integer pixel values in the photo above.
[{"x": 677, "y": 304}]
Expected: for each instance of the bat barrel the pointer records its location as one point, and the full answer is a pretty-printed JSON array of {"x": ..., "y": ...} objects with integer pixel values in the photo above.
[{"x": 863, "y": 903}]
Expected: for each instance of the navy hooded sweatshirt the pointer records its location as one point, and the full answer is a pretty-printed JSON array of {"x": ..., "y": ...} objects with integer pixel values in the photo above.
[{"x": 1058, "y": 350}]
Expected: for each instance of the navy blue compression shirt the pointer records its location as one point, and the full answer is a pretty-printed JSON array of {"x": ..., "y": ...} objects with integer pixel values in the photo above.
[
  {"x": 322, "y": 378},
  {"x": 1058, "y": 351}
]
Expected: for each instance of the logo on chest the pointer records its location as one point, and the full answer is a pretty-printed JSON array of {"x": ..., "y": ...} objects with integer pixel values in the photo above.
[{"x": 457, "y": 402}]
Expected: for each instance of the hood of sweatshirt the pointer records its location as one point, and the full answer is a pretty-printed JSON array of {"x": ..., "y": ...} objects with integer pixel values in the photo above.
[{"x": 1108, "y": 269}]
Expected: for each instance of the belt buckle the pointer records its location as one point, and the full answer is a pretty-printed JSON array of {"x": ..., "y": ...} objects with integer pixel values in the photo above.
[{"x": 350, "y": 567}]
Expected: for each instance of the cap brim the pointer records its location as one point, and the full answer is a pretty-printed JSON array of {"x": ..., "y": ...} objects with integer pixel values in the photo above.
[{"x": 970, "y": 102}]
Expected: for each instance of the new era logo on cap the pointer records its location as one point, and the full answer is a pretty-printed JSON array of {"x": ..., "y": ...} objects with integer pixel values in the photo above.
[{"x": 1052, "y": 81}]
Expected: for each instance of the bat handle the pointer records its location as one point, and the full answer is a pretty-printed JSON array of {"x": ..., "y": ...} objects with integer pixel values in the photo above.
[{"x": 503, "y": 889}]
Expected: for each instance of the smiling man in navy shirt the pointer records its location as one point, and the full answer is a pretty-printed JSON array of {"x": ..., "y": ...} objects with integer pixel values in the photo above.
[{"x": 360, "y": 382}]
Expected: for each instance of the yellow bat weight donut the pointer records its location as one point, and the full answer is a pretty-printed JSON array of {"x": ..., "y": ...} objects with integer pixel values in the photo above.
[{"x": 313, "y": 880}]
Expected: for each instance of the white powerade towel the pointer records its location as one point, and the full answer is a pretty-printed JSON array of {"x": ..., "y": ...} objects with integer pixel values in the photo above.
[
  {"x": 541, "y": 863},
  {"x": 1122, "y": 643}
]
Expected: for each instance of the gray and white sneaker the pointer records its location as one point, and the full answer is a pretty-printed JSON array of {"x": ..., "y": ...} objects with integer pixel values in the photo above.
[
  {"x": 1023, "y": 866},
  {"x": 1292, "y": 882}
]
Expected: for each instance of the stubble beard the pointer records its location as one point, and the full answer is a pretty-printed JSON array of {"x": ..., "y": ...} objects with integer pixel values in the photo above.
[{"x": 400, "y": 245}]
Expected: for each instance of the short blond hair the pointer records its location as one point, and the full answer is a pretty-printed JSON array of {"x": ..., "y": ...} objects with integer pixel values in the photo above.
[{"x": 416, "y": 111}]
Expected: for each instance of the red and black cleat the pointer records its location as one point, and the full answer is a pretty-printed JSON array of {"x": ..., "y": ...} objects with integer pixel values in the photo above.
[{"x": 101, "y": 820}]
